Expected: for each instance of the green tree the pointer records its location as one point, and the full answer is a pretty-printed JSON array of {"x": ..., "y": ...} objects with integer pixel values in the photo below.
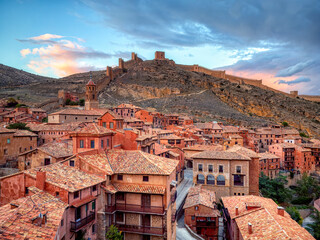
[
  {"x": 314, "y": 227},
  {"x": 45, "y": 120},
  {"x": 285, "y": 124},
  {"x": 302, "y": 134},
  {"x": 275, "y": 188},
  {"x": 113, "y": 233},
  {"x": 294, "y": 214},
  {"x": 308, "y": 187},
  {"x": 11, "y": 102},
  {"x": 68, "y": 101},
  {"x": 81, "y": 102},
  {"x": 22, "y": 126}
]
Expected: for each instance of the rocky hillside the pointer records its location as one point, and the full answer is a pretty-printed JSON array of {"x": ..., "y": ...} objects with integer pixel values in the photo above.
[{"x": 168, "y": 88}]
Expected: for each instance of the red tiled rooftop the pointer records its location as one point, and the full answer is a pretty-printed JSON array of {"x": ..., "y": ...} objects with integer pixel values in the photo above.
[
  {"x": 220, "y": 155},
  {"x": 244, "y": 151},
  {"x": 200, "y": 196},
  {"x": 94, "y": 129},
  {"x": 139, "y": 188}
]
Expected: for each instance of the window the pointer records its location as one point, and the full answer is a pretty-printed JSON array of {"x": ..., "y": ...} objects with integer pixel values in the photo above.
[
  {"x": 104, "y": 124},
  {"x": 92, "y": 143},
  {"x": 210, "y": 179},
  {"x": 178, "y": 141},
  {"x": 93, "y": 228},
  {"x": 220, "y": 169},
  {"x": 200, "y": 179},
  {"x": 120, "y": 177},
  {"x": 120, "y": 196},
  {"x": 146, "y": 178},
  {"x": 120, "y": 217},
  {"x": 61, "y": 223},
  {"x": 46, "y": 161},
  {"x": 210, "y": 168},
  {"x": 196, "y": 208},
  {"x": 26, "y": 190},
  {"x": 200, "y": 167},
  {"x": 8, "y": 140},
  {"x": 5, "y": 151},
  {"x": 238, "y": 169},
  {"x": 71, "y": 163},
  {"x": 81, "y": 143},
  {"x": 111, "y": 124},
  {"x": 101, "y": 143},
  {"x": 221, "y": 180},
  {"x": 192, "y": 218},
  {"x": 108, "y": 144},
  {"x": 76, "y": 194},
  {"x": 57, "y": 194},
  {"x": 93, "y": 205},
  {"x": 94, "y": 188}
]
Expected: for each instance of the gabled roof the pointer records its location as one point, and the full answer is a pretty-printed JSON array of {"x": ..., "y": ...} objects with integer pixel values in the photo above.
[
  {"x": 130, "y": 162},
  {"x": 244, "y": 151},
  {"x": 79, "y": 112},
  {"x": 264, "y": 217},
  {"x": 220, "y": 155},
  {"x": 91, "y": 83},
  {"x": 267, "y": 155},
  {"x": 66, "y": 177},
  {"x": 114, "y": 115},
  {"x": 16, "y": 223},
  {"x": 94, "y": 129},
  {"x": 200, "y": 196}
]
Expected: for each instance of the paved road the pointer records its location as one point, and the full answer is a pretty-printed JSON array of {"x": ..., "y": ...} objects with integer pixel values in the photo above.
[{"x": 182, "y": 191}]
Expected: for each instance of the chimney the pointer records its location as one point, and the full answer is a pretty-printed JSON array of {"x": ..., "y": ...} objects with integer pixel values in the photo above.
[
  {"x": 41, "y": 180},
  {"x": 250, "y": 228},
  {"x": 237, "y": 211},
  {"x": 281, "y": 211}
]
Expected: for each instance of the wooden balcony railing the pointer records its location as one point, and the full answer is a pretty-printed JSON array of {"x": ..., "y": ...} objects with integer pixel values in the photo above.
[
  {"x": 134, "y": 208},
  {"x": 141, "y": 229},
  {"x": 206, "y": 224},
  {"x": 75, "y": 226}
]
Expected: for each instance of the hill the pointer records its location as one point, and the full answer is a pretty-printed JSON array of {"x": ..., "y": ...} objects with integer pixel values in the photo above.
[{"x": 168, "y": 88}]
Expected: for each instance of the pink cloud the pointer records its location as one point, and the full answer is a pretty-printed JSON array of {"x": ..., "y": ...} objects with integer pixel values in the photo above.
[
  {"x": 46, "y": 36},
  {"x": 25, "y": 52}
]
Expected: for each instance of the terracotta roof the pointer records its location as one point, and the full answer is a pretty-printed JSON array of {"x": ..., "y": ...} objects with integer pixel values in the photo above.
[
  {"x": 114, "y": 115},
  {"x": 130, "y": 162},
  {"x": 16, "y": 223},
  {"x": 37, "y": 110},
  {"x": 244, "y": 151},
  {"x": 66, "y": 177},
  {"x": 220, "y": 155},
  {"x": 267, "y": 155},
  {"x": 200, "y": 196},
  {"x": 237, "y": 136},
  {"x": 230, "y": 129},
  {"x": 171, "y": 137},
  {"x": 207, "y": 125},
  {"x": 90, "y": 83},
  {"x": 93, "y": 128},
  {"x": 78, "y": 112},
  {"x": 6, "y": 131},
  {"x": 53, "y": 127},
  {"x": 24, "y": 133},
  {"x": 264, "y": 217},
  {"x": 58, "y": 149},
  {"x": 159, "y": 149},
  {"x": 216, "y": 126},
  {"x": 199, "y": 147},
  {"x": 143, "y": 137},
  {"x": 139, "y": 188}
]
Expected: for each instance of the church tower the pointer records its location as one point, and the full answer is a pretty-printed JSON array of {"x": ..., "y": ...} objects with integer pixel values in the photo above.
[{"x": 91, "y": 101}]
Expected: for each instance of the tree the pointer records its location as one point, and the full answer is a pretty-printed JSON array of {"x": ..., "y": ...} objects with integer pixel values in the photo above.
[
  {"x": 274, "y": 188},
  {"x": 285, "y": 124},
  {"x": 302, "y": 134},
  {"x": 113, "y": 233},
  {"x": 81, "y": 102},
  {"x": 22, "y": 126},
  {"x": 45, "y": 120},
  {"x": 308, "y": 187},
  {"x": 314, "y": 227},
  {"x": 11, "y": 102},
  {"x": 294, "y": 214}
]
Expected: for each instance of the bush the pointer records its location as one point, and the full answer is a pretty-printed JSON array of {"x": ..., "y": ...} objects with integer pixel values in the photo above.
[
  {"x": 302, "y": 200},
  {"x": 11, "y": 102},
  {"x": 294, "y": 214},
  {"x": 302, "y": 134},
  {"x": 45, "y": 120},
  {"x": 81, "y": 102},
  {"x": 22, "y": 126},
  {"x": 285, "y": 124}
]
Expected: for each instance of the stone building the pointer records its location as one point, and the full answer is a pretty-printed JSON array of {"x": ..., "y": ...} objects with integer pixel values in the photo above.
[
  {"x": 226, "y": 173},
  {"x": 91, "y": 100},
  {"x": 13, "y": 142},
  {"x": 139, "y": 195},
  {"x": 254, "y": 217},
  {"x": 201, "y": 213},
  {"x": 75, "y": 115},
  {"x": 269, "y": 164}
]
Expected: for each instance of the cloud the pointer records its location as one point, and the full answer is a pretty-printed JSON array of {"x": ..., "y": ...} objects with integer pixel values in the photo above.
[
  {"x": 62, "y": 56},
  {"x": 293, "y": 82},
  {"x": 294, "y": 69},
  {"x": 25, "y": 52}
]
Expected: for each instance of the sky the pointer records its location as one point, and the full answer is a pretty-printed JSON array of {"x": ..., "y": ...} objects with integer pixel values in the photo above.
[{"x": 277, "y": 41}]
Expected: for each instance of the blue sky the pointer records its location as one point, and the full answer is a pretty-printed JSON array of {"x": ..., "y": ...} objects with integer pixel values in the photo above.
[{"x": 274, "y": 40}]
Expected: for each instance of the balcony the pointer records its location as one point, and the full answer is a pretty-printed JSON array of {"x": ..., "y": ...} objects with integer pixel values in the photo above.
[
  {"x": 211, "y": 224},
  {"x": 199, "y": 181},
  {"x": 75, "y": 226},
  {"x": 123, "y": 207},
  {"x": 159, "y": 231}
]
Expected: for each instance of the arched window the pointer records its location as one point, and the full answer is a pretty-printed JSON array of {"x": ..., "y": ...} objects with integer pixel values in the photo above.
[
  {"x": 210, "y": 179},
  {"x": 221, "y": 180},
  {"x": 200, "y": 179}
]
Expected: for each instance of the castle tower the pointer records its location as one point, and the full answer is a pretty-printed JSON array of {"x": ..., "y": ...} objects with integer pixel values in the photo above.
[
  {"x": 121, "y": 63},
  {"x": 109, "y": 72},
  {"x": 133, "y": 56},
  {"x": 159, "y": 55},
  {"x": 91, "y": 101}
]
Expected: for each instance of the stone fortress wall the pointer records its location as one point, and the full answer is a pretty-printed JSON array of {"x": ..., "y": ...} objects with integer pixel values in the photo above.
[{"x": 115, "y": 72}]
